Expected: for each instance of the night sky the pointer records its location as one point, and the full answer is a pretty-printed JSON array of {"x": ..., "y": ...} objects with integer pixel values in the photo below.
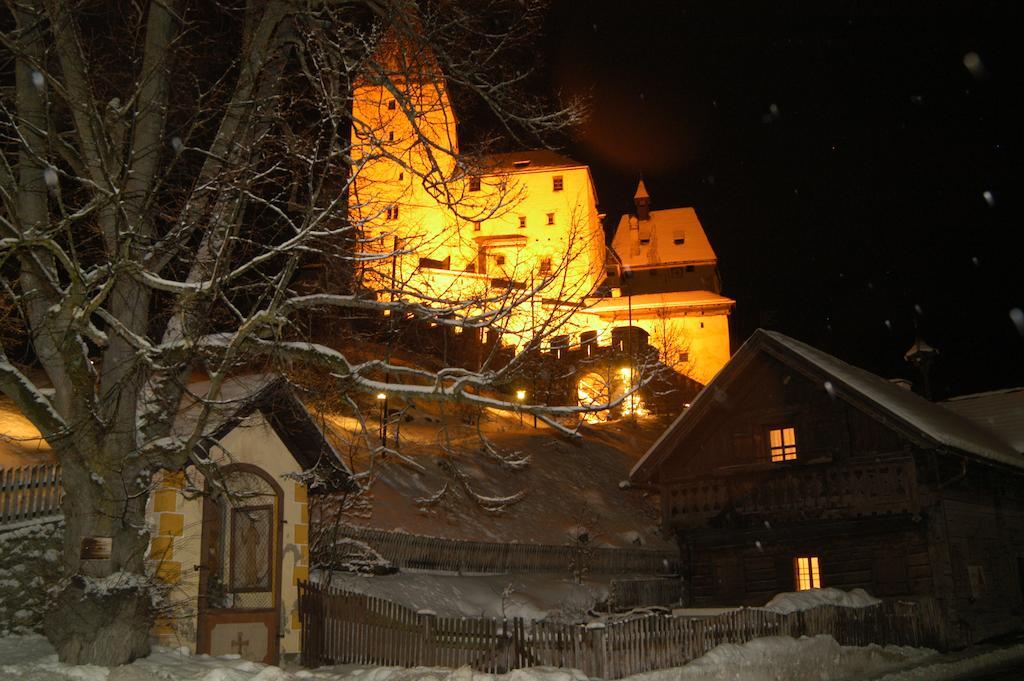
[{"x": 854, "y": 176}]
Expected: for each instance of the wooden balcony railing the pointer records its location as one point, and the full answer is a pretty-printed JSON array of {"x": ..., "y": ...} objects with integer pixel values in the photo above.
[{"x": 792, "y": 492}]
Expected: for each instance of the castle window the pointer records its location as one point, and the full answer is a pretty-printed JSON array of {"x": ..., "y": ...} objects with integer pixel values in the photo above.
[
  {"x": 551, "y": 218},
  {"x": 391, "y": 135},
  {"x": 474, "y": 184},
  {"x": 477, "y": 226},
  {"x": 556, "y": 183},
  {"x": 392, "y": 212},
  {"x": 392, "y": 105},
  {"x": 522, "y": 222},
  {"x": 545, "y": 266},
  {"x": 782, "y": 443},
  {"x": 808, "y": 573}
]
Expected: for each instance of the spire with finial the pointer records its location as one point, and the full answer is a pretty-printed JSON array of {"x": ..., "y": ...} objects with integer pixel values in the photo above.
[{"x": 643, "y": 201}]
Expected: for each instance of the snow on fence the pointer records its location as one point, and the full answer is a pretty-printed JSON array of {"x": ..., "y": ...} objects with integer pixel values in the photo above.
[
  {"x": 456, "y": 555},
  {"x": 341, "y": 627},
  {"x": 29, "y": 492}
]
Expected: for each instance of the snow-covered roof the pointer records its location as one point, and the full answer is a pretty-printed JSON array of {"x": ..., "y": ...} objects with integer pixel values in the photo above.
[
  {"x": 660, "y": 301},
  {"x": 915, "y": 415},
  {"x": 673, "y": 236},
  {"x": 238, "y": 397},
  {"x": 20, "y": 441},
  {"x": 934, "y": 421},
  {"x": 527, "y": 160},
  {"x": 1001, "y": 411}
]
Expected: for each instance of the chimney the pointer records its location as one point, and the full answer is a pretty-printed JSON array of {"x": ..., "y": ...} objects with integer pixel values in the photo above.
[
  {"x": 921, "y": 356},
  {"x": 643, "y": 202}
]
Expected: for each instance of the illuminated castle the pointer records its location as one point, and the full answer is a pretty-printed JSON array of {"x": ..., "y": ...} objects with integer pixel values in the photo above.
[{"x": 518, "y": 236}]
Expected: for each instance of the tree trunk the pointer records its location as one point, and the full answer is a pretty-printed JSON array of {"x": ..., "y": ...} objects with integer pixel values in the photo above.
[{"x": 105, "y": 610}]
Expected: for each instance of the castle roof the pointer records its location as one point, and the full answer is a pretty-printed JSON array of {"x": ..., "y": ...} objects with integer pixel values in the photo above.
[
  {"x": 671, "y": 236},
  {"x": 526, "y": 161},
  {"x": 647, "y": 302}
]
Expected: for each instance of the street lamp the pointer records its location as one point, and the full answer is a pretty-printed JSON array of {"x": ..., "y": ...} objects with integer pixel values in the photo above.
[
  {"x": 383, "y": 399},
  {"x": 520, "y": 396}
]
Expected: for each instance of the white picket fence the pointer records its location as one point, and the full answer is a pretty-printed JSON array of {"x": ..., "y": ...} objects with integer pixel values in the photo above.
[{"x": 29, "y": 492}]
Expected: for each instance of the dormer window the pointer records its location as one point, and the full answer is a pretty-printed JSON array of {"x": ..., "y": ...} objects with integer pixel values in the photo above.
[
  {"x": 782, "y": 444},
  {"x": 474, "y": 184},
  {"x": 557, "y": 184}
]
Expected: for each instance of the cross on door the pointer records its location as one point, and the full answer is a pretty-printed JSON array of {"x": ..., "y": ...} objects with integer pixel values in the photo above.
[{"x": 239, "y": 643}]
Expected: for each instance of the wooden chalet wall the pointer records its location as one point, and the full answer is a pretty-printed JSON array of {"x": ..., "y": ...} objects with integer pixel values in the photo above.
[
  {"x": 976, "y": 542},
  {"x": 880, "y": 511}
]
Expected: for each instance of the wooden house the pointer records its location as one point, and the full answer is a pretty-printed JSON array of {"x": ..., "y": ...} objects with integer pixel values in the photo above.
[{"x": 794, "y": 470}]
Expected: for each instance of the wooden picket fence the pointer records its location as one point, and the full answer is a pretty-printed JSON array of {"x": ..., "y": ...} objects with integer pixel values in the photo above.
[
  {"x": 456, "y": 555},
  {"x": 29, "y": 492},
  {"x": 625, "y": 594},
  {"x": 340, "y": 627}
]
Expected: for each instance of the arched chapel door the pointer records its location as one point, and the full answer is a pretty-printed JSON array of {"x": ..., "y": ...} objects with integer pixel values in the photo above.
[{"x": 240, "y": 575}]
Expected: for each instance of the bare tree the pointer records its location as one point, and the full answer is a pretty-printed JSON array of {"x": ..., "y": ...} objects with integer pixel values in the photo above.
[{"x": 167, "y": 167}]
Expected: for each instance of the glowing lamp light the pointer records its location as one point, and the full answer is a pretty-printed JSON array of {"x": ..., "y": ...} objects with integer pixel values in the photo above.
[
  {"x": 626, "y": 372},
  {"x": 382, "y": 396},
  {"x": 520, "y": 395}
]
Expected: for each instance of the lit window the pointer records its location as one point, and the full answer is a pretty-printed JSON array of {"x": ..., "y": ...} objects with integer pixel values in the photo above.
[
  {"x": 551, "y": 218},
  {"x": 474, "y": 184},
  {"x": 808, "y": 574},
  {"x": 392, "y": 212},
  {"x": 522, "y": 222},
  {"x": 782, "y": 443},
  {"x": 392, "y": 105},
  {"x": 557, "y": 184},
  {"x": 477, "y": 225}
]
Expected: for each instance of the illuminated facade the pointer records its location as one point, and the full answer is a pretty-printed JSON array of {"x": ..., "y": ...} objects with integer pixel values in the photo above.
[{"x": 519, "y": 236}]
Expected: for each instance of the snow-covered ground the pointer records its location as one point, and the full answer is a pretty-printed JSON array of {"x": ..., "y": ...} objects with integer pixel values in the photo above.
[
  {"x": 30, "y": 658},
  {"x": 530, "y": 596}
]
